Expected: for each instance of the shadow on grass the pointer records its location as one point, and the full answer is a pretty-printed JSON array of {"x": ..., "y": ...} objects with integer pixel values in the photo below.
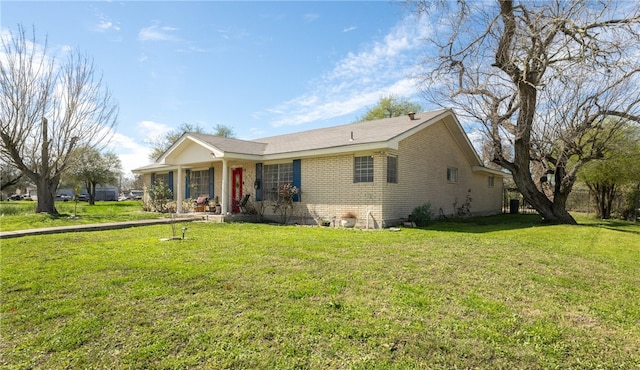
[
  {"x": 486, "y": 224},
  {"x": 505, "y": 222},
  {"x": 615, "y": 225}
]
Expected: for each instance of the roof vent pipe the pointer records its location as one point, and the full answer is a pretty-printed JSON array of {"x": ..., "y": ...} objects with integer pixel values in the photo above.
[
  {"x": 351, "y": 139},
  {"x": 412, "y": 116}
]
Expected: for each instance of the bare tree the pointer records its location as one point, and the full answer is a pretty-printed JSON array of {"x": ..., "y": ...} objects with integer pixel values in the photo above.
[
  {"x": 543, "y": 75},
  {"x": 47, "y": 109}
]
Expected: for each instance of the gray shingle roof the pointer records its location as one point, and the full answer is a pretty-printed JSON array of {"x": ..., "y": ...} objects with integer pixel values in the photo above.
[
  {"x": 381, "y": 130},
  {"x": 230, "y": 145},
  {"x": 330, "y": 137}
]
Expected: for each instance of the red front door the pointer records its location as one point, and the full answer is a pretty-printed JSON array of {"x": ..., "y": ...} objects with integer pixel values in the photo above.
[{"x": 236, "y": 188}]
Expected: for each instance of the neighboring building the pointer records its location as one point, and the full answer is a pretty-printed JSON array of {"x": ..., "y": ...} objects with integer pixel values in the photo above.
[
  {"x": 103, "y": 193},
  {"x": 380, "y": 170}
]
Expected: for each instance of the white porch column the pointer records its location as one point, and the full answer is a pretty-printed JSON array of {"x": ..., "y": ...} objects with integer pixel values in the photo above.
[
  {"x": 224, "y": 201},
  {"x": 178, "y": 183}
]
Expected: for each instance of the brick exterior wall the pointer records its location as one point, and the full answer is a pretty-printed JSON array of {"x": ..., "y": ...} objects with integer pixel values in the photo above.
[
  {"x": 423, "y": 160},
  {"x": 328, "y": 190}
]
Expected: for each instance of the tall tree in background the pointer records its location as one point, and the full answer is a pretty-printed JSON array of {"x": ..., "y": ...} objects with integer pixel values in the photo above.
[
  {"x": 47, "y": 110},
  {"x": 223, "y": 131},
  {"x": 92, "y": 168},
  {"x": 544, "y": 75},
  {"x": 160, "y": 144},
  {"x": 619, "y": 168},
  {"x": 390, "y": 106}
]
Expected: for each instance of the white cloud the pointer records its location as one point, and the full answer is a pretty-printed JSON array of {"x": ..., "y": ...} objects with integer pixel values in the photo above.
[
  {"x": 349, "y": 29},
  {"x": 105, "y": 24},
  {"x": 310, "y": 17},
  {"x": 151, "y": 130},
  {"x": 385, "y": 67},
  {"x": 151, "y": 126},
  {"x": 157, "y": 33},
  {"x": 131, "y": 154},
  {"x": 134, "y": 153}
]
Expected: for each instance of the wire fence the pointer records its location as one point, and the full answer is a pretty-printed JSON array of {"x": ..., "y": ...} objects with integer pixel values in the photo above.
[{"x": 579, "y": 200}]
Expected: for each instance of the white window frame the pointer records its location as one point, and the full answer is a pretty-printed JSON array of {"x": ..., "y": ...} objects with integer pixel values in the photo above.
[
  {"x": 392, "y": 170},
  {"x": 363, "y": 169},
  {"x": 199, "y": 183},
  {"x": 274, "y": 176},
  {"x": 452, "y": 174}
]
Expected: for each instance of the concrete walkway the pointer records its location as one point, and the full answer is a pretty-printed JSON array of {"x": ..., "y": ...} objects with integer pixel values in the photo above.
[{"x": 95, "y": 227}]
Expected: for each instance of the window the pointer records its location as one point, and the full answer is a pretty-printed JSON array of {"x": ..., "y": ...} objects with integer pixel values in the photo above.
[
  {"x": 452, "y": 174},
  {"x": 165, "y": 179},
  {"x": 162, "y": 178},
  {"x": 392, "y": 169},
  {"x": 490, "y": 181},
  {"x": 200, "y": 183},
  {"x": 274, "y": 176},
  {"x": 363, "y": 169}
]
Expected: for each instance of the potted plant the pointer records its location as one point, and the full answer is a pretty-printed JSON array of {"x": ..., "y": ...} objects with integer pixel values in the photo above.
[
  {"x": 216, "y": 204},
  {"x": 324, "y": 223},
  {"x": 348, "y": 219}
]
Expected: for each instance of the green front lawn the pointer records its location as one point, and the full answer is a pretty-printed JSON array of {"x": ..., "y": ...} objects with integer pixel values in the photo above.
[
  {"x": 498, "y": 292},
  {"x": 20, "y": 215}
]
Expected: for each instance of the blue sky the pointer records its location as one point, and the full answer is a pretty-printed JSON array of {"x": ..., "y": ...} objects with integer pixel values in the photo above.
[{"x": 262, "y": 68}]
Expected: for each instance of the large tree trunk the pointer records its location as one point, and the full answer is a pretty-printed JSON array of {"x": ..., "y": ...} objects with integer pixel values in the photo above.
[
  {"x": 560, "y": 196},
  {"x": 525, "y": 82},
  {"x": 47, "y": 186},
  {"x": 552, "y": 212},
  {"x": 46, "y": 195}
]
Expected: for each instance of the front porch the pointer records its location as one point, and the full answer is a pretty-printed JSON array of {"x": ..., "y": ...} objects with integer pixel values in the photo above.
[{"x": 221, "y": 218}]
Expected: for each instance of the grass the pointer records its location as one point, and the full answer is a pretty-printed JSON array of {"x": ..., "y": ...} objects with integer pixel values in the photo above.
[
  {"x": 498, "y": 292},
  {"x": 21, "y": 215}
]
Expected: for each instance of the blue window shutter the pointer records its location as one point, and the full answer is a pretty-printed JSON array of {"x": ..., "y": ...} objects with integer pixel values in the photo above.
[
  {"x": 259, "y": 182},
  {"x": 297, "y": 178},
  {"x": 187, "y": 184},
  {"x": 170, "y": 180},
  {"x": 211, "y": 189}
]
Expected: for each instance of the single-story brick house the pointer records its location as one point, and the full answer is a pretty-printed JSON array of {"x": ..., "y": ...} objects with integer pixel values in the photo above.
[{"x": 380, "y": 170}]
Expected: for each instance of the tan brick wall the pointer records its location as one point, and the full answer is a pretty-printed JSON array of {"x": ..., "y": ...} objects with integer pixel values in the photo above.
[
  {"x": 423, "y": 160},
  {"x": 328, "y": 189}
]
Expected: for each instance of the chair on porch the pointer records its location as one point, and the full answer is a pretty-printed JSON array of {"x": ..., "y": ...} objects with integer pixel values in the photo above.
[
  {"x": 243, "y": 203},
  {"x": 201, "y": 203}
]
